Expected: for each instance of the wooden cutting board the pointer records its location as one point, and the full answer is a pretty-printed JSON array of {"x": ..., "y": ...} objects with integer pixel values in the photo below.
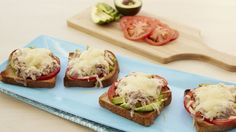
[{"x": 189, "y": 45}]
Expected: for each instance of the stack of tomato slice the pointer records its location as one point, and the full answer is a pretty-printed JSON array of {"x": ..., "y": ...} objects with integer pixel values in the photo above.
[{"x": 150, "y": 30}]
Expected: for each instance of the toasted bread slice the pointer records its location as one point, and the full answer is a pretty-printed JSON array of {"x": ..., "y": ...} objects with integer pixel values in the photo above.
[
  {"x": 203, "y": 126},
  {"x": 108, "y": 80},
  {"x": 9, "y": 77},
  {"x": 143, "y": 118}
]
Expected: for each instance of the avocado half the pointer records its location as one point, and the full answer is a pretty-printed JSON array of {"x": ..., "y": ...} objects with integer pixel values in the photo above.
[{"x": 128, "y": 7}]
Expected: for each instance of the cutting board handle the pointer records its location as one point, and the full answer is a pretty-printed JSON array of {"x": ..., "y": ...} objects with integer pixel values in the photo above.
[
  {"x": 206, "y": 54},
  {"x": 223, "y": 60}
]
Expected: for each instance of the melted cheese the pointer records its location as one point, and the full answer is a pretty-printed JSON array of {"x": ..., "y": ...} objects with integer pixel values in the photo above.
[
  {"x": 36, "y": 57},
  {"x": 86, "y": 62},
  {"x": 213, "y": 100},
  {"x": 33, "y": 62},
  {"x": 139, "y": 82}
]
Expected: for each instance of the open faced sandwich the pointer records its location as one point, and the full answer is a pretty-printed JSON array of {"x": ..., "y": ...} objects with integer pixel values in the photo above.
[
  {"x": 139, "y": 97},
  {"x": 31, "y": 67},
  {"x": 213, "y": 107},
  {"x": 93, "y": 67}
]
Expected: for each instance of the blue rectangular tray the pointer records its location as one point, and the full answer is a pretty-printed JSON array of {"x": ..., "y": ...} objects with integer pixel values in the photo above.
[{"x": 81, "y": 105}]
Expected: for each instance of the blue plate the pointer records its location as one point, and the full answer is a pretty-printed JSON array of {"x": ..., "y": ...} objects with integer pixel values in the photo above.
[{"x": 82, "y": 103}]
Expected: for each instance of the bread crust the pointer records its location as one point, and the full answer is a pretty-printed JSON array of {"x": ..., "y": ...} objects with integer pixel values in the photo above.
[
  {"x": 143, "y": 118},
  {"x": 9, "y": 77},
  {"x": 109, "y": 79},
  {"x": 203, "y": 126}
]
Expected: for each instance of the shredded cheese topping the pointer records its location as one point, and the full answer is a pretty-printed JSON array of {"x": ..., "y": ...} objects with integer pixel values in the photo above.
[
  {"x": 140, "y": 82},
  {"x": 33, "y": 62},
  {"x": 87, "y": 63},
  {"x": 213, "y": 101}
]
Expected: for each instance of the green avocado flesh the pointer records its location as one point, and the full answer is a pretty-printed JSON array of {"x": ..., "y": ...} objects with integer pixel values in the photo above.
[
  {"x": 125, "y": 105},
  {"x": 128, "y": 7},
  {"x": 111, "y": 68},
  {"x": 118, "y": 100},
  {"x": 147, "y": 108},
  {"x": 103, "y": 13}
]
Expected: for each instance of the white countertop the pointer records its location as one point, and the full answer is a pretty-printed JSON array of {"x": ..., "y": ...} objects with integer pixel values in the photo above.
[{"x": 22, "y": 21}]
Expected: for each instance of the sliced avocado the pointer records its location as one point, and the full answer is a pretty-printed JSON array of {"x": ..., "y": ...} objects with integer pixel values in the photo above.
[
  {"x": 100, "y": 17},
  {"x": 103, "y": 13},
  {"x": 128, "y": 7},
  {"x": 149, "y": 107},
  {"x": 111, "y": 68},
  {"x": 97, "y": 16},
  {"x": 105, "y": 8},
  {"x": 125, "y": 105},
  {"x": 160, "y": 97},
  {"x": 118, "y": 100},
  {"x": 109, "y": 10},
  {"x": 114, "y": 13},
  {"x": 117, "y": 17}
]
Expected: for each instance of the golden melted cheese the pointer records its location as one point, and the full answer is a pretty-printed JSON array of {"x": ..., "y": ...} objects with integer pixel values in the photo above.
[
  {"x": 86, "y": 62},
  {"x": 213, "y": 100},
  {"x": 140, "y": 82},
  {"x": 35, "y": 57}
]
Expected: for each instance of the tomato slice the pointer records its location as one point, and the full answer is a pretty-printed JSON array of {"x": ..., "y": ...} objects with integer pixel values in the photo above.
[
  {"x": 198, "y": 114},
  {"x": 111, "y": 91},
  {"x": 124, "y": 21},
  {"x": 161, "y": 35},
  {"x": 223, "y": 122},
  {"x": 175, "y": 34},
  {"x": 76, "y": 77},
  {"x": 137, "y": 27},
  {"x": 52, "y": 74},
  {"x": 190, "y": 94}
]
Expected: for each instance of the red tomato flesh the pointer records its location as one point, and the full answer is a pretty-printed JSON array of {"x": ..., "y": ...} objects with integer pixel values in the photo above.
[
  {"x": 111, "y": 91},
  {"x": 137, "y": 27},
  {"x": 161, "y": 35},
  {"x": 52, "y": 74},
  {"x": 149, "y": 29},
  {"x": 76, "y": 77}
]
